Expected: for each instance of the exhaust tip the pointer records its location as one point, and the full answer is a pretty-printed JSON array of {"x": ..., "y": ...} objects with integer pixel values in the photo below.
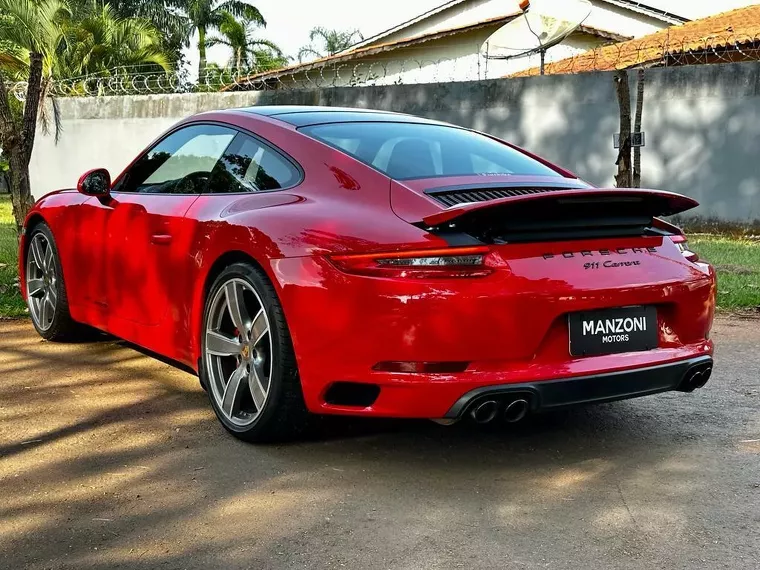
[
  {"x": 695, "y": 378},
  {"x": 516, "y": 410},
  {"x": 485, "y": 411}
]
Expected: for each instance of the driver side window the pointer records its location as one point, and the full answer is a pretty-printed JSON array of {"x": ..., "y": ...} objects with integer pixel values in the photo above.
[{"x": 179, "y": 164}]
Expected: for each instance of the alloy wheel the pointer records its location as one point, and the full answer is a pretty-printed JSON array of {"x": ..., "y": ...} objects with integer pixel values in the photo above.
[
  {"x": 238, "y": 352},
  {"x": 41, "y": 282}
]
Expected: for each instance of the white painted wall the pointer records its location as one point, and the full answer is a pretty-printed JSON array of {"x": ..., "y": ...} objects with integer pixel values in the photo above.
[
  {"x": 452, "y": 58},
  {"x": 109, "y": 132}
]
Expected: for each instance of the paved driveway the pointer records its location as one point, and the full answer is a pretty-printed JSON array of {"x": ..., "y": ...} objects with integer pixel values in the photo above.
[{"x": 109, "y": 459}]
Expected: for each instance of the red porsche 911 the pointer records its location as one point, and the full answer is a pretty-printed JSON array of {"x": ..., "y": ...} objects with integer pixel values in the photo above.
[{"x": 345, "y": 261}]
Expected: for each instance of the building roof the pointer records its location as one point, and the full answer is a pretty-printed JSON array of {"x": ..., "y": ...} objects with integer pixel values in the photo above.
[
  {"x": 633, "y": 5},
  {"x": 403, "y": 43},
  {"x": 715, "y": 33}
]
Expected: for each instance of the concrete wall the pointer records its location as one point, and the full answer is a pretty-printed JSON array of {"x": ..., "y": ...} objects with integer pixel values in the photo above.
[{"x": 702, "y": 126}]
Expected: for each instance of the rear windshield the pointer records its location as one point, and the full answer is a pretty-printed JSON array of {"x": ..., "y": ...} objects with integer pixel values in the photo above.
[{"x": 412, "y": 150}]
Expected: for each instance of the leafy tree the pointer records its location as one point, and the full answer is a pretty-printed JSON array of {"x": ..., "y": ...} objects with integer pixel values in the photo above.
[
  {"x": 208, "y": 15},
  {"x": 33, "y": 28},
  {"x": 167, "y": 17},
  {"x": 333, "y": 41},
  {"x": 102, "y": 41},
  {"x": 248, "y": 51},
  {"x": 44, "y": 40},
  {"x": 266, "y": 59}
]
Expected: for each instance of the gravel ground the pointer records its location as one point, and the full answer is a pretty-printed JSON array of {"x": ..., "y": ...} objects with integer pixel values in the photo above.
[{"x": 110, "y": 459}]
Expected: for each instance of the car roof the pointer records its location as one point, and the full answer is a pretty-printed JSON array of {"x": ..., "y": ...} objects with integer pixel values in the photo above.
[{"x": 304, "y": 115}]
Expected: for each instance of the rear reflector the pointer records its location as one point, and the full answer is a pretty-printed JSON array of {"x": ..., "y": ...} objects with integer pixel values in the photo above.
[{"x": 421, "y": 367}]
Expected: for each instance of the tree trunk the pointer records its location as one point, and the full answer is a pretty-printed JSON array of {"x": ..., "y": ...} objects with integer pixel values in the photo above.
[
  {"x": 18, "y": 140},
  {"x": 21, "y": 191},
  {"x": 201, "y": 51},
  {"x": 623, "y": 162},
  {"x": 637, "y": 129}
]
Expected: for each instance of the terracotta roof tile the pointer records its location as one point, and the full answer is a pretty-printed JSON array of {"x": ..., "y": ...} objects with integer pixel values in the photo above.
[{"x": 733, "y": 28}]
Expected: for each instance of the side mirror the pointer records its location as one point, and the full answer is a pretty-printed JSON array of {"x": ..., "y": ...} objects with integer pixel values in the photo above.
[{"x": 95, "y": 183}]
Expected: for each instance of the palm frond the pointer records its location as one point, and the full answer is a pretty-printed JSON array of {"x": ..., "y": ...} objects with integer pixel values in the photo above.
[{"x": 241, "y": 10}]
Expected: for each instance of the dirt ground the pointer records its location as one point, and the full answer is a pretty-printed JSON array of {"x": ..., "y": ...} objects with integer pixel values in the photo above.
[{"x": 110, "y": 459}]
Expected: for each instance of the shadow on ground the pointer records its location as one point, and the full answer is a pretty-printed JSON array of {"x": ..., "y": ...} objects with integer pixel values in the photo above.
[{"x": 110, "y": 459}]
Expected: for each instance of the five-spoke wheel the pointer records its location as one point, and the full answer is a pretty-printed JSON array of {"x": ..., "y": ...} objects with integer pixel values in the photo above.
[
  {"x": 45, "y": 289},
  {"x": 248, "y": 364},
  {"x": 238, "y": 351},
  {"x": 41, "y": 281}
]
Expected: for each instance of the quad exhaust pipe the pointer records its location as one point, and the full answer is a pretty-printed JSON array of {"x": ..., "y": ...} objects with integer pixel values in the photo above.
[
  {"x": 695, "y": 377},
  {"x": 516, "y": 410},
  {"x": 485, "y": 412},
  {"x": 513, "y": 409}
]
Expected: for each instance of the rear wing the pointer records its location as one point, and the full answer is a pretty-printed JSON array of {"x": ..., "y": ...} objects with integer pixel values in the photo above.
[{"x": 562, "y": 214}]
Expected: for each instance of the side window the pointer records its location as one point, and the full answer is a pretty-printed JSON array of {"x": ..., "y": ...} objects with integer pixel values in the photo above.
[
  {"x": 180, "y": 164},
  {"x": 250, "y": 166}
]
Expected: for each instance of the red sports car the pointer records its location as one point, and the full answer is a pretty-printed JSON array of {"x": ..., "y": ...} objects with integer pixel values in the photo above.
[{"x": 345, "y": 261}]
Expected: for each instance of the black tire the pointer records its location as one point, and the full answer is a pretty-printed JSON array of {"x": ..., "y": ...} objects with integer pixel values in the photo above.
[
  {"x": 62, "y": 327},
  {"x": 284, "y": 415}
]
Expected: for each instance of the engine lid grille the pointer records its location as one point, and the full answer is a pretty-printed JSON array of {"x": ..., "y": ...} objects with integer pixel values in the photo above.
[{"x": 451, "y": 198}]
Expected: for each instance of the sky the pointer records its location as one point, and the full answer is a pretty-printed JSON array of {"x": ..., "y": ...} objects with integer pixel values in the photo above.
[{"x": 289, "y": 21}]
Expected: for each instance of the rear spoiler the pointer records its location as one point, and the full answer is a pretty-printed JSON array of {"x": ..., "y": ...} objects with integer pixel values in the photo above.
[{"x": 572, "y": 203}]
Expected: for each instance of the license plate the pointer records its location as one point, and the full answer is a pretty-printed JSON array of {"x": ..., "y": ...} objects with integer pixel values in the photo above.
[{"x": 609, "y": 331}]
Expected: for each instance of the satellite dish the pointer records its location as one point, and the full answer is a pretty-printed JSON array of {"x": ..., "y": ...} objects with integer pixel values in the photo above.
[{"x": 541, "y": 25}]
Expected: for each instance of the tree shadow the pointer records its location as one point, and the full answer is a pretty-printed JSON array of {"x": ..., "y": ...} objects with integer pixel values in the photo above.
[{"x": 111, "y": 459}]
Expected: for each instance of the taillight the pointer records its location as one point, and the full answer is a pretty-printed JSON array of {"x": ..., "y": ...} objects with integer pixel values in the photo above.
[
  {"x": 683, "y": 247},
  {"x": 435, "y": 263}
]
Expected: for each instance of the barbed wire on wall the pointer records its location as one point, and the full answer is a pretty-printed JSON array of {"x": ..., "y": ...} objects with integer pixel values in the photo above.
[{"x": 663, "y": 50}]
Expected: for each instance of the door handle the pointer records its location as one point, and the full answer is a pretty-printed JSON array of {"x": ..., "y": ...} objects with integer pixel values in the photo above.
[{"x": 161, "y": 239}]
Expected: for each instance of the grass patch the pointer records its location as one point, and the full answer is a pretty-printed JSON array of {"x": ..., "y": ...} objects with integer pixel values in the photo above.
[
  {"x": 11, "y": 303},
  {"x": 737, "y": 262}
]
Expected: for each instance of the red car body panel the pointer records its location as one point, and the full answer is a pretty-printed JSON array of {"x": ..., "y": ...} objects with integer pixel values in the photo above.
[{"x": 138, "y": 266}]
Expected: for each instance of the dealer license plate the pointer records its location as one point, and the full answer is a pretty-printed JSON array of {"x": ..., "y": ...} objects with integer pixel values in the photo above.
[{"x": 610, "y": 331}]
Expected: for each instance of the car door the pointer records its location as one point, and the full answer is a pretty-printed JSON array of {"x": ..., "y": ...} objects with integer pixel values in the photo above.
[{"x": 147, "y": 253}]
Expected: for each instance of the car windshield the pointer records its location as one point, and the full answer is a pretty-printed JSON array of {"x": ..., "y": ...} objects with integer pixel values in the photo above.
[{"x": 417, "y": 150}]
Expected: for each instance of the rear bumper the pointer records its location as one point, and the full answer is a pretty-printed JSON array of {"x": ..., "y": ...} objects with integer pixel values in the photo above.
[
  {"x": 595, "y": 388},
  {"x": 511, "y": 328}
]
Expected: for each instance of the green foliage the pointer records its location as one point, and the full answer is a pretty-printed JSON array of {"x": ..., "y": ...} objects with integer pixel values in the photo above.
[
  {"x": 11, "y": 303},
  {"x": 737, "y": 262},
  {"x": 333, "y": 41},
  {"x": 81, "y": 38},
  {"x": 100, "y": 41},
  {"x": 171, "y": 23},
  {"x": 31, "y": 26},
  {"x": 248, "y": 53}
]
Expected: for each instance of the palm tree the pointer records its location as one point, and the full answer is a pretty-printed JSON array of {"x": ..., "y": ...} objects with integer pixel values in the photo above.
[
  {"x": 94, "y": 40},
  {"x": 42, "y": 40},
  {"x": 247, "y": 51},
  {"x": 207, "y": 15},
  {"x": 166, "y": 15},
  {"x": 334, "y": 41},
  {"x": 33, "y": 30},
  {"x": 103, "y": 42}
]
